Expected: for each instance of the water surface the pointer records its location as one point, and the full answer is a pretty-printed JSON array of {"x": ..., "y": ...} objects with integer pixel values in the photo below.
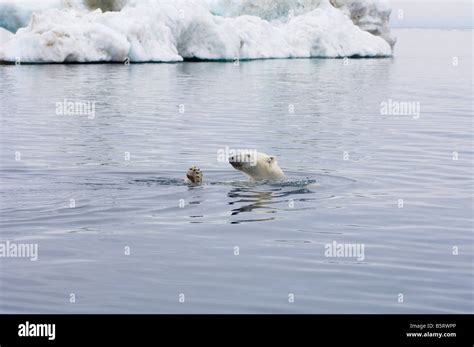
[{"x": 348, "y": 166}]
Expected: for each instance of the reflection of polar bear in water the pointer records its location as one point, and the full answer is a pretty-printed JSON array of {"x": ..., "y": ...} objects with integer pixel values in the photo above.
[{"x": 257, "y": 166}]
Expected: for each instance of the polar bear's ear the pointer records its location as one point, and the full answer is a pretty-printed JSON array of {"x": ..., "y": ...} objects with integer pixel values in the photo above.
[{"x": 271, "y": 159}]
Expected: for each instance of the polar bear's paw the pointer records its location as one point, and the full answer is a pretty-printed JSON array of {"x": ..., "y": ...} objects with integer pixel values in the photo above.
[{"x": 194, "y": 176}]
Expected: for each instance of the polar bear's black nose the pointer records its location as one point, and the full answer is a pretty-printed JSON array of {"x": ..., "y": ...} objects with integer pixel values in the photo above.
[{"x": 234, "y": 161}]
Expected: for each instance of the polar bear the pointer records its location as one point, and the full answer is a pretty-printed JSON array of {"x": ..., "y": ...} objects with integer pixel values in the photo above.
[{"x": 256, "y": 165}]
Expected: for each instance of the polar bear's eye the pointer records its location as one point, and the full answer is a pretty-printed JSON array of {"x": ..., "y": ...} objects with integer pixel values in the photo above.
[{"x": 270, "y": 159}]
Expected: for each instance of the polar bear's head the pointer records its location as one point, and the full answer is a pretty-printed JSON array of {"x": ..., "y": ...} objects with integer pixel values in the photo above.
[{"x": 258, "y": 166}]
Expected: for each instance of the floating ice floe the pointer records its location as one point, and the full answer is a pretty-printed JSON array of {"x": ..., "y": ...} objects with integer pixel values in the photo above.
[{"x": 174, "y": 30}]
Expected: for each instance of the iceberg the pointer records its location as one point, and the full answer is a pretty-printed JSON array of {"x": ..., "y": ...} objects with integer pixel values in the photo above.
[
  {"x": 5, "y": 35},
  {"x": 175, "y": 30},
  {"x": 369, "y": 15},
  {"x": 17, "y": 14}
]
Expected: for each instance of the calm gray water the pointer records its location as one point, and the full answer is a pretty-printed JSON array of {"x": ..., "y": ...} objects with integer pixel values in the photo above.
[{"x": 347, "y": 166}]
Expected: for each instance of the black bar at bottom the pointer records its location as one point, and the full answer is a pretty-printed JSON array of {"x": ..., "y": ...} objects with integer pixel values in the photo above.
[{"x": 323, "y": 330}]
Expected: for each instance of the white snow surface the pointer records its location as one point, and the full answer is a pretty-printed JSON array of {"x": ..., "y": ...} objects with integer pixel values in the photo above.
[{"x": 173, "y": 30}]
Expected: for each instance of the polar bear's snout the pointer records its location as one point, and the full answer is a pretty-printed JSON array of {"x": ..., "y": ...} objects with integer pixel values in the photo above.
[
  {"x": 243, "y": 159},
  {"x": 235, "y": 162}
]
